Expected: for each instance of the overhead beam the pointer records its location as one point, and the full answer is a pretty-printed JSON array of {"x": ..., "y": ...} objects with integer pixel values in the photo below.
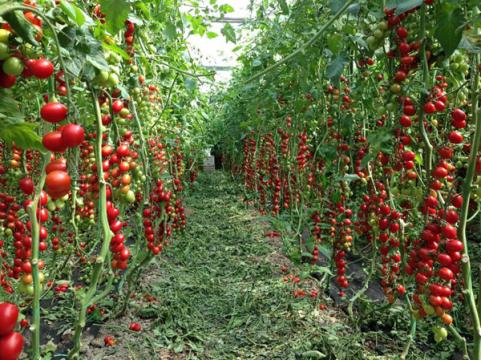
[{"x": 231, "y": 20}]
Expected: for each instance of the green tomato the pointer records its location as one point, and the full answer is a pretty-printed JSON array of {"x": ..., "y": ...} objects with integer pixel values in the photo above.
[
  {"x": 391, "y": 106},
  {"x": 130, "y": 196},
  {"x": 51, "y": 205},
  {"x": 428, "y": 309},
  {"x": 464, "y": 68},
  {"x": 395, "y": 88},
  {"x": 13, "y": 66},
  {"x": 60, "y": 203},
  {"x": 458, "y": 58},
  {"x": 113, "y": 80},
  {"x": 4, "y": 51},
  {"x": 454, "y": 66},
  {"x": 27, "y": 290},
  {"x": 383, "y": 25},
  {"x": 4, "y": 35},
  {"x": 124, "y": 113},
  {"x": 8, "y": 232},
  {"x": 372, "y": 42},
  {"x": 102, "y": 78},
  {"x": 378, "y": 34}
]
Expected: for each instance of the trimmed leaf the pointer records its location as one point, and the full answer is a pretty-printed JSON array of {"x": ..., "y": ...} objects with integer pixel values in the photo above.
[
  {"x": 449, "y": 26},
  {"x": 116, "y": 12}
]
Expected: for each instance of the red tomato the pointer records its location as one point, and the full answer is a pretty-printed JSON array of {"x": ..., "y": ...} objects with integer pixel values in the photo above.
[
  {"x": 135, "y": 326},
  {"x": 11, "y": 346},
  {"x": 7, "y": 81},
  {"x": 58, "y": 164},
  {"x": 57, "y": 184},
  {"x": 117, "y": 106},
  {"x": 73, "y": 135},
  {"x": 26, "y": 185},
  {"x": 8, "y": 319},
  {"x": 42, "y": 68},
  {"x": 53, "y": 141},
  {"x": 54, "y": 112}
]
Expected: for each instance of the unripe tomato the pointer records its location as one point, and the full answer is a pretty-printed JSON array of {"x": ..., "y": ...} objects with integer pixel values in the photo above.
[
  {"x": 13, "y": 66},
  {"x": 4, "y": 51},
  {"x": 4, "y": 35}
]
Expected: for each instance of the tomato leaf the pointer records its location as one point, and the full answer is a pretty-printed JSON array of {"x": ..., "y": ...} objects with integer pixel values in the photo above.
[
  {"x": 116, "y": 12},
  {"x": 73, "y": 12},
  {"x": 22, "y": 27},
  {"x": 229, "y": 33},
  {"x": 335, "y": 67},
  {"x": 284, "y": 7},
  {"x": 402, "y": 6},
  {"x": 22, "y": 135},
  {"x": 170, "y": 31},
  {"x": 226, "y": 8},
  {"x": 211, "y": 34},
  {"x": 449, "y": 26}
]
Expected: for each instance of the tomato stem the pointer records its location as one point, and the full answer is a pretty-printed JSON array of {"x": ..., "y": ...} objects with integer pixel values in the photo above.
[
  {"x": 32, "y": 212},
  {"x": 86, "y": 300}
]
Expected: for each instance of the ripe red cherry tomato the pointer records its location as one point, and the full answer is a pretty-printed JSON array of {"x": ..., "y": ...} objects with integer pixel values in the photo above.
[
  {"x": 11, "y": 346},
  {"x": 26, "y": 185},
  {"x": 7, "y": 81},
  {"x": 54, "y": 112},
  {"x": 53, "y": 141},
  {"x": 135, "y": 326},
  {"x": 117, "y": 106},
  {"x": 42, "y": 68},
  {"x": 57, "y": 184},
  {"x": 58, "y": 164},
  {"x": 73, "y": 135},
  {"x": 8, "y": 319}
]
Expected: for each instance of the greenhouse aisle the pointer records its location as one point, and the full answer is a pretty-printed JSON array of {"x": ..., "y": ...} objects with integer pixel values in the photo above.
[
  {"x": 218, "y": 292},
  {"x": 221, "y": 289},
  {"x": 224, "y": 290}
]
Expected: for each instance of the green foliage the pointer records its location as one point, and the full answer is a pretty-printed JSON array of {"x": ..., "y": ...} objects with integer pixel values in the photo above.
[
  {"x": 449, "y": 26},
  {"x": 116, "y": 11},
  {"x": 21, "y": 26}
]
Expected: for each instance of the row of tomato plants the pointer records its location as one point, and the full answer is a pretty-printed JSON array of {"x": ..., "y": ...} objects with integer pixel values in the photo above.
[
  {"x": 87, "y": 206},
  {"x": 388, "y": 156}
]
